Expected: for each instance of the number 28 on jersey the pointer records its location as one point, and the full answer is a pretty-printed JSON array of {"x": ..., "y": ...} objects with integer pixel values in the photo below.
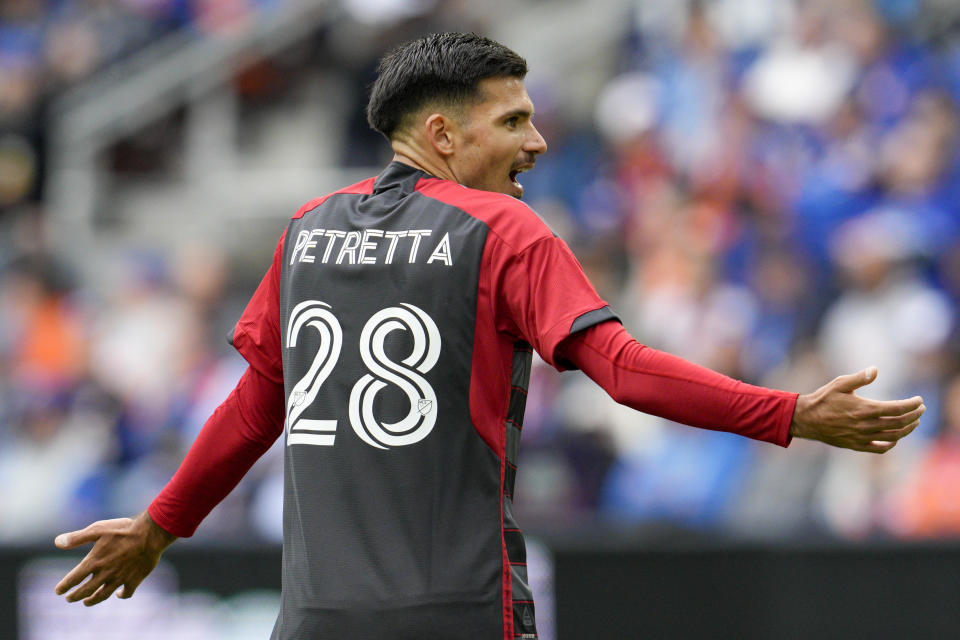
[{"x": 406, "y": 375}]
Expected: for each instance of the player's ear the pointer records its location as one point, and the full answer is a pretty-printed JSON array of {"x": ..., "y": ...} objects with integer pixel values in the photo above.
[{"x": 440, "y": 133}]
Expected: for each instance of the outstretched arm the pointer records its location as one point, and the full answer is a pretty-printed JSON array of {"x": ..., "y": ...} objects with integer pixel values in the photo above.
[
  {"x": 126, "y": 550},
  {"x": 667, "y": 386}
]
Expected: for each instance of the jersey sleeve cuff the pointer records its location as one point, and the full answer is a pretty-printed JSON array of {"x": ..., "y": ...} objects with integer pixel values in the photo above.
[
  {"x": 786, "y": 419},
  {"x": 173, "y": 528},
  {"x": 579, "y": 323},
  {"x": 590, "y": 318}
]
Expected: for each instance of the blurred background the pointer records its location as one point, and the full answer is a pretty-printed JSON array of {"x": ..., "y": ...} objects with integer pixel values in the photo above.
[{"x": 765, "y": 187}]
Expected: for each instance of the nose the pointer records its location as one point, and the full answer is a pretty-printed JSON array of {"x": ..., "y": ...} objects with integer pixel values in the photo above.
[{"x": 535, "y": 143}]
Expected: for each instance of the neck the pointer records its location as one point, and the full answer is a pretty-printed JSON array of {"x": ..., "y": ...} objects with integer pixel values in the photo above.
[{"x": 436, "y": 167}]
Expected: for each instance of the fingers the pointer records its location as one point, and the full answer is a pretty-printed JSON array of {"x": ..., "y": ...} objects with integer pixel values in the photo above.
[
  {"x": 103, "y": 593},
  {"x": 89, "y": 563},
  {"x": 894, "y": 434},
  {"x": 123, "y": 555},
  {"x": 76, "y": 538},
  {"x": 98, "y": 588},
  {"x": 877, "y": 447},
  {"x": 839, "y": 417},
  {"x": 854, "y": 381},
  {"x": 129, "y": 587},
  {"x": 891, "y": 408},
  {"x": 870, "y": 446},
  {"x": 75, "y": 577},
  {"x": 897, "y": 422},
  {"x": 87, "y": 535},
  {"x": 883, "y": 441},
  {"x": 87, "y": 589}
]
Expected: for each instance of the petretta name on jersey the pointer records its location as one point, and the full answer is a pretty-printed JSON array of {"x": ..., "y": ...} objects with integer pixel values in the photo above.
[{"x": 371, "y": 246}]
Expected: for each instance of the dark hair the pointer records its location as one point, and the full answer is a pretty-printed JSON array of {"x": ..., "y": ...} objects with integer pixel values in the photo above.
[{"x": 440, "y": 68}]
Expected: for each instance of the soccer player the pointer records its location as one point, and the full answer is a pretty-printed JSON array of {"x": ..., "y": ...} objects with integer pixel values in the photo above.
[{"x": 390, "y": 344}]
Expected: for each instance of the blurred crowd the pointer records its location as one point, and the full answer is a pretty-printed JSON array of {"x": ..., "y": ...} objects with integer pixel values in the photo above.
[
  {"x": 49, "y": 46},
  {"x": 767, "y": 187},
  {"x": 775, "y": 199}
]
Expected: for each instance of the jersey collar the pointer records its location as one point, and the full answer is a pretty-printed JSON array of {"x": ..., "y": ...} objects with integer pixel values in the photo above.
[{"x": 398, "y": 175}]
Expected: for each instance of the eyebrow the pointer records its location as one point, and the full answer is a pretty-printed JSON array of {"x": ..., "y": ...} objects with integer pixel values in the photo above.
[{"x": 524, "y": 113}]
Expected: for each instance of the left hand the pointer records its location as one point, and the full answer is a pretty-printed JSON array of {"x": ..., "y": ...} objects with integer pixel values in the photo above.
[{"x": 834, "y": 414}]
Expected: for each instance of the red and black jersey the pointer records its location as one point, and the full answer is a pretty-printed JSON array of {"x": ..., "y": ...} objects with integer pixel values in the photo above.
[{"x": 401, "y": 314}]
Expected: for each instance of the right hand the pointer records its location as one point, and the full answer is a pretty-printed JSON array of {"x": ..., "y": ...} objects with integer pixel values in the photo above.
[{"x": 125, "y": 551}]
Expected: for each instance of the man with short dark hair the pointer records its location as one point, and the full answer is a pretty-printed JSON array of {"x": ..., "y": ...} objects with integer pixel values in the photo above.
[{"x": 391, "y": 341}]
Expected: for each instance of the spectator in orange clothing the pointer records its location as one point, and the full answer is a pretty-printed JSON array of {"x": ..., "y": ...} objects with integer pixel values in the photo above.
[
  {"x": 49, "y": 349},
  {"x": 929, "y": 505}
]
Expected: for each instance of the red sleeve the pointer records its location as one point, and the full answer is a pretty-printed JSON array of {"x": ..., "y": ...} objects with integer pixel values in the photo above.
[
  {"x": 670, "y": 387},
  {"x": 547, "y": 296},
  {"x": 257, "y": 334},
  {"x": 235, "y": 436}
]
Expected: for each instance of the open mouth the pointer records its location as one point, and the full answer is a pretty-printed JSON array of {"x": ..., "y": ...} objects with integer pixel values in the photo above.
[{"x": 517, "y": 171}]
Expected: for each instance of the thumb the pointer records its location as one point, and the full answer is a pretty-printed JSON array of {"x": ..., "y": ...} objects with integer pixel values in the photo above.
[
  {"x": 77, "y": 538},
  {"x": 854, "y": 381}
]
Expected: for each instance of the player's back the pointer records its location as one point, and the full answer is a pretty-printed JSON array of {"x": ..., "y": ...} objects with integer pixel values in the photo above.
[{"x": 392, "y": 509}]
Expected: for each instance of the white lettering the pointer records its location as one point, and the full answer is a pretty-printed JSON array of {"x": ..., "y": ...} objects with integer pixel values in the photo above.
[
  {"x": 394, "y": 238},
  {"x": 310, "y": 244},
  {"x": 442, "y": 252},
  {"x": 349, "y": 247},
  {"x": 365, "y": 245},
  {"x": 301, "y": 240},
  {"x": 416, "y": 235},
  {"x": 331, "y": 233}
]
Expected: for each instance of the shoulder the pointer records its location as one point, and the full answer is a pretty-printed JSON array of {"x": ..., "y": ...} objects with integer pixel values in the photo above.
[
  {"x": 362, "y": 187},
  {"x": 513, "y": 221}
]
